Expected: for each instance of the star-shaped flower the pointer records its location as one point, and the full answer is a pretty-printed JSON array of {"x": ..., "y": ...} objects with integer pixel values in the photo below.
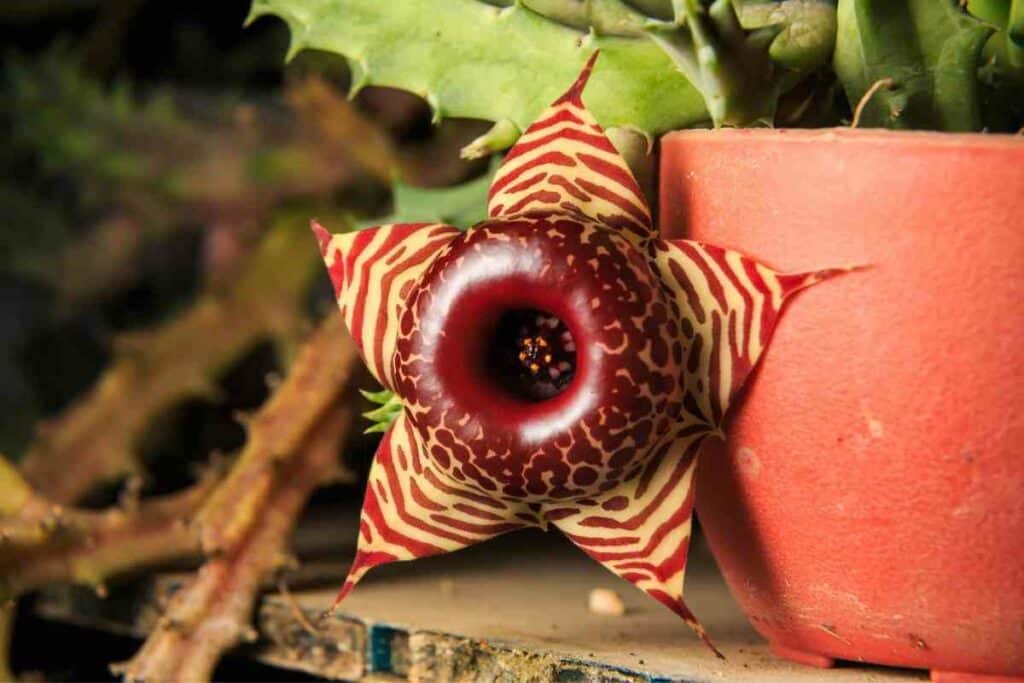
[{"x": 558, "y": 363}]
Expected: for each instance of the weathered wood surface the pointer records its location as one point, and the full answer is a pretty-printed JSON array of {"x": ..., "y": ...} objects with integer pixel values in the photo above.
[{"x": 511, "y": 610}]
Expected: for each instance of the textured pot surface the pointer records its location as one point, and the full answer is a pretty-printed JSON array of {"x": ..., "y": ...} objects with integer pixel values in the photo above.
[{"x": 869, "y": 504}]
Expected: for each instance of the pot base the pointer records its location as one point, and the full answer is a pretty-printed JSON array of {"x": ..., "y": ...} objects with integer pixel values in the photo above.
[
  {"x": 961, "y": 677},
  {"x": 820, "y": 661},
  {"x": 802, "y": 656}
]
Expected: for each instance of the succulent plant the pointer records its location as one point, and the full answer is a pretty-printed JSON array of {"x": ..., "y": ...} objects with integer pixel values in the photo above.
[
  {"x": 927, "y": 52},
  {"x": 557, "y": 364},
  {"x": 665, "y": 66},
  {"x": 672, "y": 64}
]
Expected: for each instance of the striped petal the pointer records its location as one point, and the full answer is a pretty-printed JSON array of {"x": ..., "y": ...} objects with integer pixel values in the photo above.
[
  {"x": 641, "y": 530},
  {"x": 411, "y": 510},
  {"x": 371, "y": 270},
  {"x": 564, "y": 164},
  {"x": 730, "y": 305}
]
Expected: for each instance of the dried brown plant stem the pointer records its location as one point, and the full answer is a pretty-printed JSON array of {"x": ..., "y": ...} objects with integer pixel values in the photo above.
[
  {"x": 6, "y": 632},
  {"x": 866, "y": 97},
  {"x": 316, "y": 381},
  {"x": 292, "y": 450},
  {"x": 43, "y": 543},
  {"x": 340, "y": 124},
  {"x": 94, "y": 440}
]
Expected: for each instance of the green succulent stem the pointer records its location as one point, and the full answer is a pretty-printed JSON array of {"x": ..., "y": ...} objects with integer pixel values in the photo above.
[
  {"x": 744, "y": 56},
  {"x": 1005, "y": 49},
  {"x": 931, "y": 51},
  {"x": 606, "y": 17},
  {"x": 659, "y": 71},
  {"x": 470, "y": 59}
]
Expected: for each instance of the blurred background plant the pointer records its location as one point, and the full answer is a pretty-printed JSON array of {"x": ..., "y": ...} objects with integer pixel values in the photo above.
[{"x": 161, "y": 298}]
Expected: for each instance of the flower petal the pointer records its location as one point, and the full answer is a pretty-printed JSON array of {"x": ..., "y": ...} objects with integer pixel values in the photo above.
[
  {"x": 730, "y": 305},
  {"x": 564, "y": 164},
  {"x": 370, "y": 270},
  {"x": 641, "y": 529},
  {"x": 412, "y": 511}
]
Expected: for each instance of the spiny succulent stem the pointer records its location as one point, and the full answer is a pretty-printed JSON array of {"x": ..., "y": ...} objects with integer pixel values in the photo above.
[
  {"x": 278, "y": 430},
  {"x": 88, "y": 547},
  {"x": 481, "y": 54},
  {"x": 251, "y": 516},
  {"x": 729, "y": 64}
]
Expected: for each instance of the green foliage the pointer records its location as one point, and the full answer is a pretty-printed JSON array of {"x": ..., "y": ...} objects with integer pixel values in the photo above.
[
  {"x": 460, "y": 205},
  {"x": 72, "y": 125},
  {"x": 930, "y": 49}
]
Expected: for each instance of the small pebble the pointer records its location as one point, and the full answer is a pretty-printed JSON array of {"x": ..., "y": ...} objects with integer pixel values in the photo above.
[{"x": 605, "y": 601}]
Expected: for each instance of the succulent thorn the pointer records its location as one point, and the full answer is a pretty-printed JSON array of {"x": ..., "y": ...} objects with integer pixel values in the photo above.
[
  {"x": 293, "y": 606},
  {"x": 131, "y": 493},
  {"x": 272, "y": 380},
  {"x": 286, "y": 562},
  {"x": 295, "y": 46},
  {"x": 502, "y": 135},
  {"x": 360, "y": 77},
  {"x": 435, "y": 107},
  {"x": 171, "y": 624},
  {"x": 244, "y": 418}
]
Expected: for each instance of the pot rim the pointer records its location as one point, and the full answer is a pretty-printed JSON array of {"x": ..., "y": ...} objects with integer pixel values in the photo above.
[{"x": 843, "y": 135}]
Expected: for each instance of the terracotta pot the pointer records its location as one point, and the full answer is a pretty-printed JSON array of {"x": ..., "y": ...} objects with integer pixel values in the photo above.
[{"x": 869, "y": 504}]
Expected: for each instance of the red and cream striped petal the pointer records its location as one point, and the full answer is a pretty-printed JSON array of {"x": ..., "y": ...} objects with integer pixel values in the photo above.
[
  {"x": 372, "y": 270},
  {"x": 411, "y": 510},
  {"x": 641, "y": 529},
  {"x": 730, "y": 305},
  {"x": 564, "y": 164}
]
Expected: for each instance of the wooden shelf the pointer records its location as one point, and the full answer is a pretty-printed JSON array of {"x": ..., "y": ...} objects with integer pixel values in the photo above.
[{"x": 514, "y": 609}]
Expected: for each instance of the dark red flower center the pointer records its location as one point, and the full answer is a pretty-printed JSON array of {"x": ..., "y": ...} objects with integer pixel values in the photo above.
[{"x": 532, "y": 354}]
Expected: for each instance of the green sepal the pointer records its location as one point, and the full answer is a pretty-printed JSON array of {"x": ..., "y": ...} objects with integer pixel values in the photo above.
[
  {"x": 389, "y": 407},
  {"x": 379, "y": 397}
]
